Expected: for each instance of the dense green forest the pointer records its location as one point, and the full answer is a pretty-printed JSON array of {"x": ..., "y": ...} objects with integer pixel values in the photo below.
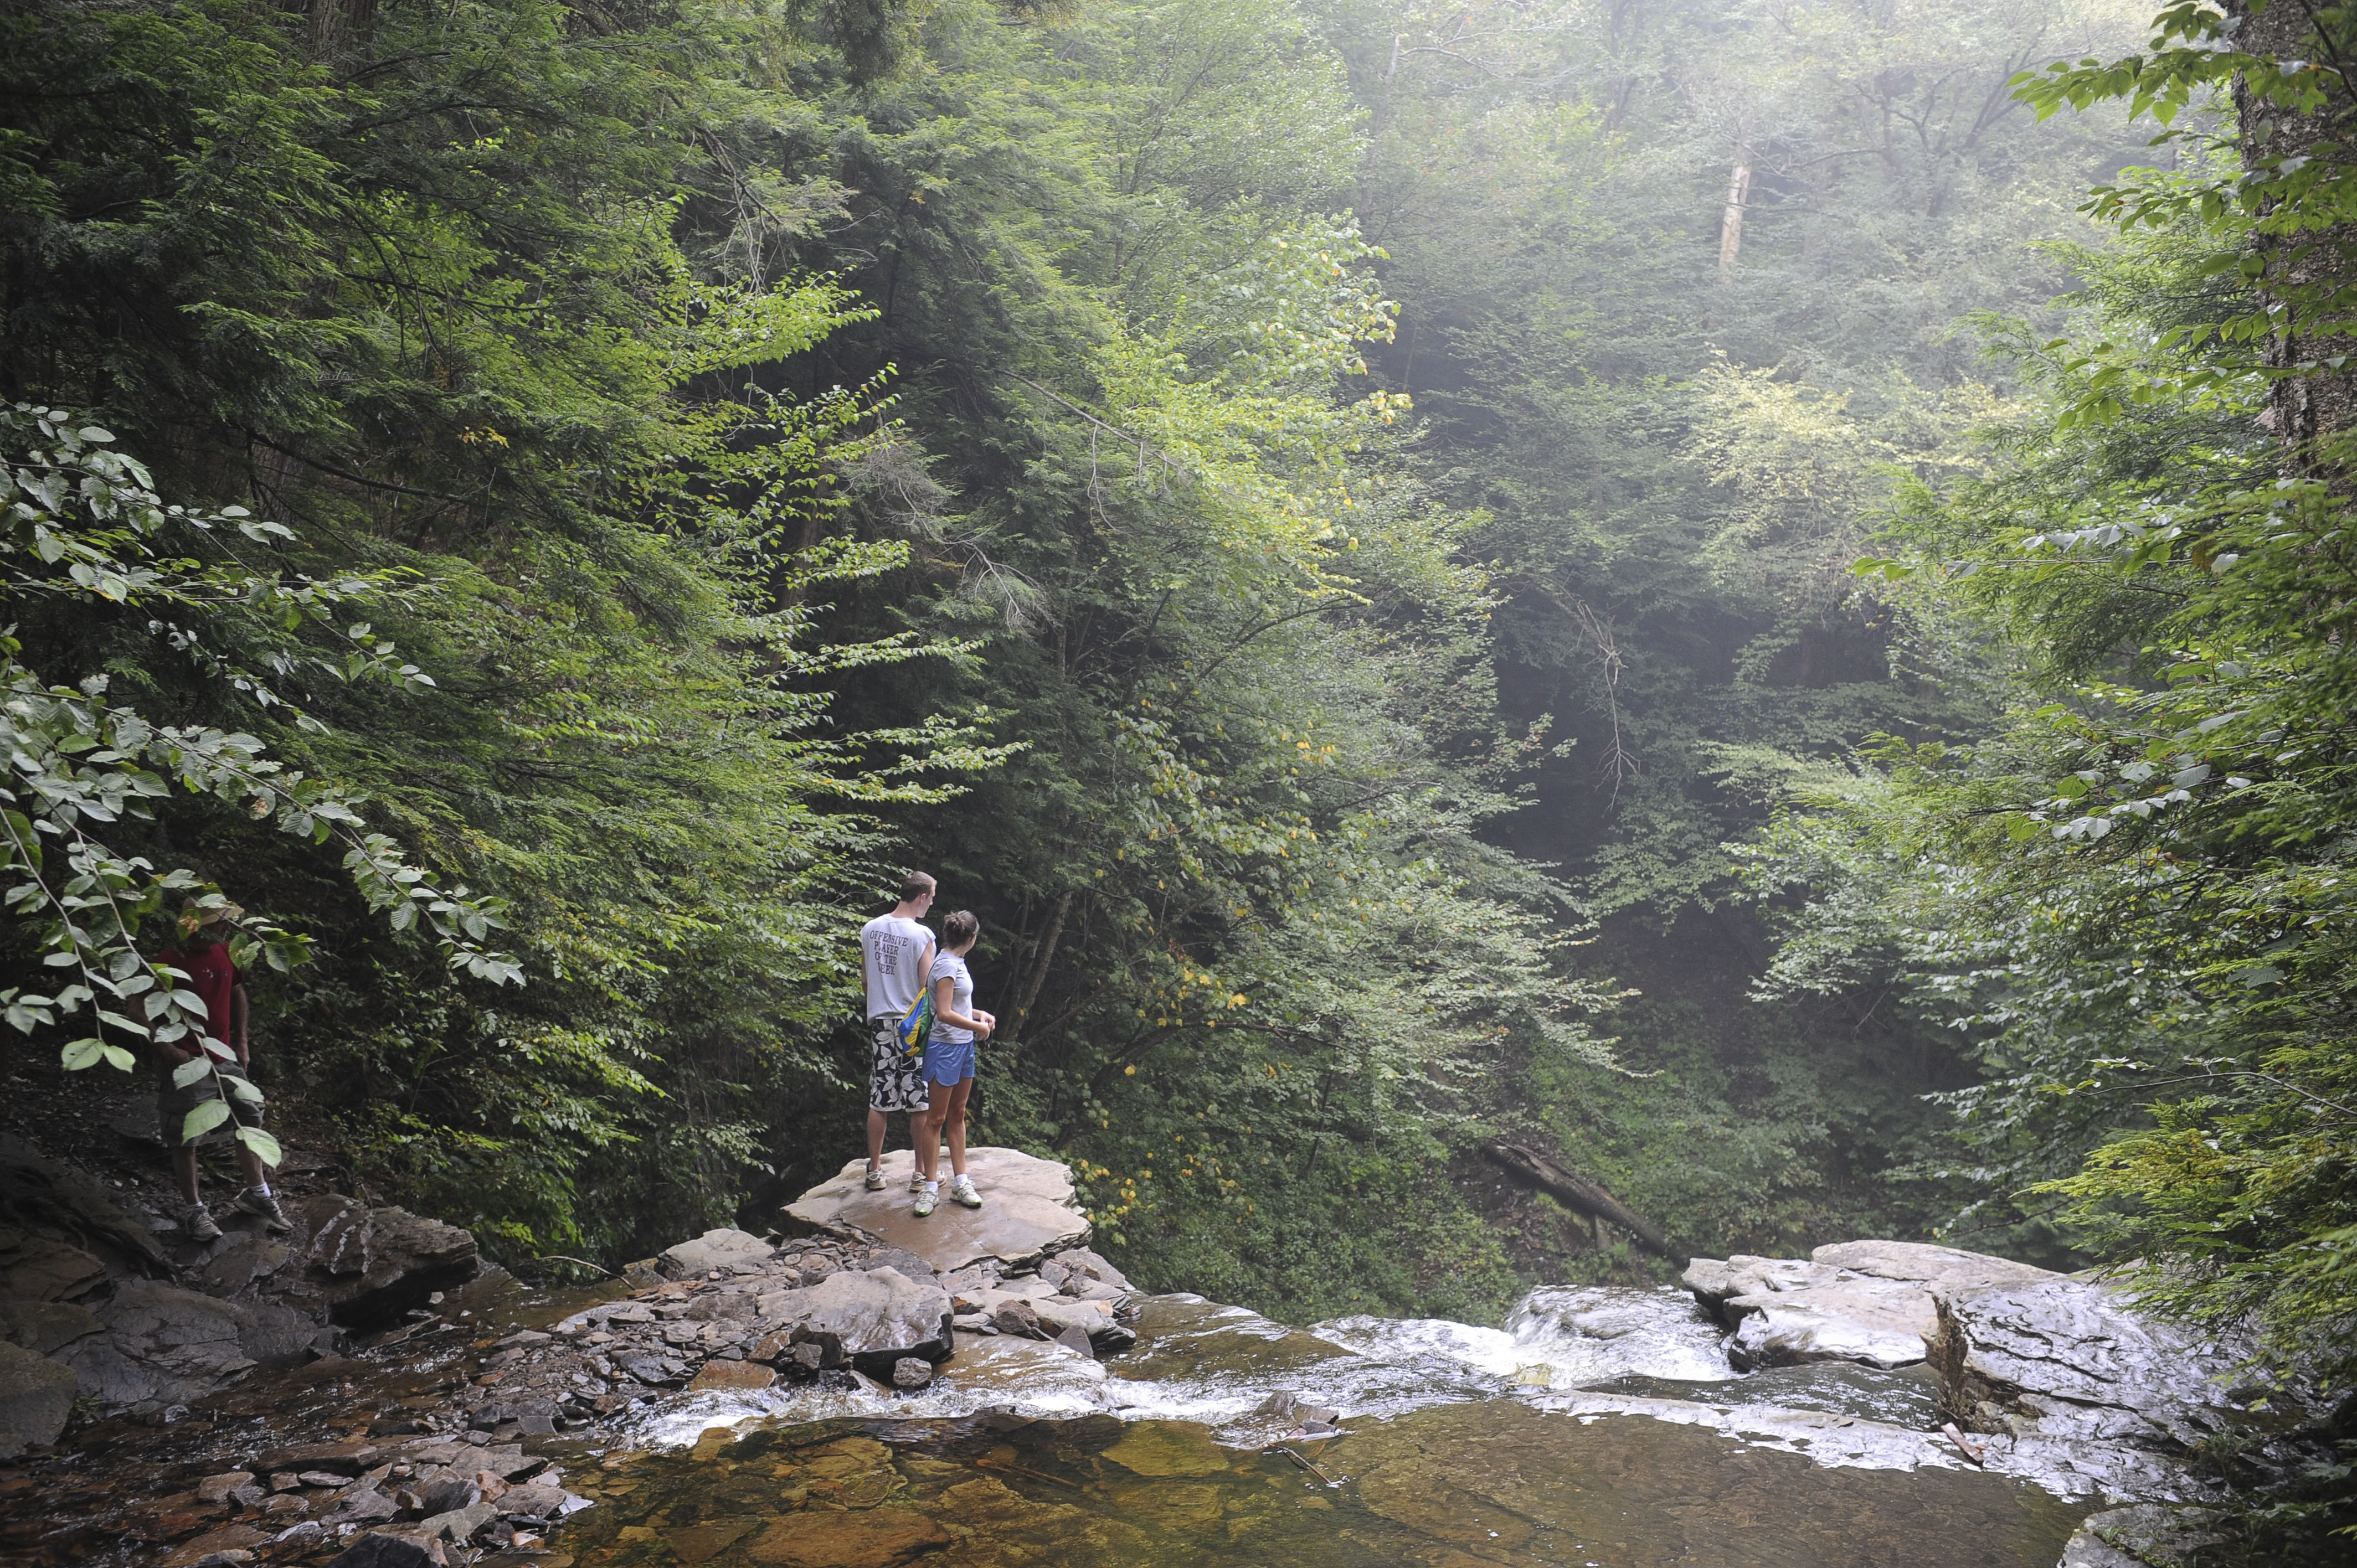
[{"x": 1748, "y": 593}]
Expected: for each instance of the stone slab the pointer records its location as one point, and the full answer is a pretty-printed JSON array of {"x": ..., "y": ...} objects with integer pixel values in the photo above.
[
  {"x": 1932, "y": 1266},
  {"x": 731, "y": 1375},
  {"x": 36, "y": 1396},
  {"x": 41, "y": 1268},
  {"x": 45, "y": 1328},
  {"x": 870, "y": 1318},
  {"x": 162, "y": 1342},
  {"x": 1027, "y": 1212},
  {"x": 46, "y": 1194},
  {"x": 723, "y": 1249},
  {"x": 1830, "y": 1325},
  {"x": 1872, "y": 1301},
  {"x": 991, "y": 1368},
  {"x": 2068, "y": 1358},
  {"x": 372, "y": 1265}
]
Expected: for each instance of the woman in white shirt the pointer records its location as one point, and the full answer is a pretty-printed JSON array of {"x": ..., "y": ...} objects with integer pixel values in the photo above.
[{"x": 958, "y": 1027}]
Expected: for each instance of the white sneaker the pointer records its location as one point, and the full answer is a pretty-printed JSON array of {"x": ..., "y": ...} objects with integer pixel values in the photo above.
[
  {"x": 874, "y": 1180},
  {"x": 916, "y": 1181},
  {"x": 925, "y": 1197},
  {"x": 962, "y": 1192}
]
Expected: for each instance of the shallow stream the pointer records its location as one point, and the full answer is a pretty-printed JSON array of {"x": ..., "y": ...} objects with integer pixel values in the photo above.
[
  {"x": 1458, "y": 1445},
  {"x": 1601, "y": 1428}
]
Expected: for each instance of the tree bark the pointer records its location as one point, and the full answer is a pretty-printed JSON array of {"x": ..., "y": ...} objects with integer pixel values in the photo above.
[
  {"x": 1038, "y": 975},
  {"x": 1535, "y": 1169},
  {"x": 2312, "y": 410},
  {"x": 1730, "y": 222}
]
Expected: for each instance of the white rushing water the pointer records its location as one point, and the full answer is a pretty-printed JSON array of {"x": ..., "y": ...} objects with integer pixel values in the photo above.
[{"x": 1198, "y": 1360}]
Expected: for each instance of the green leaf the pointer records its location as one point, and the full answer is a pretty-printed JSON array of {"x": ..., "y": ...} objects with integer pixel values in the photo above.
[
  {"x": 79, "y": 1054},
  {"x": 189, "y": 1071},
  {"x": 118, "y": 1058},
  {"x": 204, "y": 1118},
  {"x": 242, "y": 1088},
  {"x": 263, "y": 1145}
]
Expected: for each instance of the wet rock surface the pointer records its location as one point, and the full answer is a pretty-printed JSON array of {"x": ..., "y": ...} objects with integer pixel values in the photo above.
[
  {"x": 2055, "y": 1378},
  {"x": 1854, "y": 1301},
  {"x": 2068, "y": 1362},
  {"x": 2146, "y": 1535}
]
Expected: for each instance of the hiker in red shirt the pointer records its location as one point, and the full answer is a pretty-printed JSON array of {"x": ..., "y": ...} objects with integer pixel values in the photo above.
[{"x": 213, "y": 975}]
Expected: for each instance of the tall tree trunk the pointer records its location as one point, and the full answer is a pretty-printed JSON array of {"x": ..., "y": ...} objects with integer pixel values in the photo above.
[
  {"x": 2318, "y": 407},
  {"x": 338, "y": 26},
  {"x": 1730, "y": 222},
  {"x": 1038, "y": 975}
]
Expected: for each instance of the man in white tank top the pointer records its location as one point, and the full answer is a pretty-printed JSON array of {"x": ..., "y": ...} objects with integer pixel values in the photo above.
[{"x": 897, "y": 953}]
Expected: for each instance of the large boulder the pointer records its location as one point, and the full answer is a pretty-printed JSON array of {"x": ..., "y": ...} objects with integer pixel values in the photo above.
[
  {"x": 1027, "y": 1212},
  {"x": 42, "y": 1268},
  {"x": 730, "y": 1251},
  {"x": 45, "y": 1328},
  {"x": 40, "y": 1197},
  {"x": 36, "y": 1395},
  {"x": 870, "y": 1318},
  {"x": 2070, "y": 1359},
  {"x": 162, "y": 1343},
  {"x": 2141, "y": 1536},
  {"x": 240, "y": 1258},
  {"x": 1872, "y": 1302},
  {"x": 363, "y": 1267}
]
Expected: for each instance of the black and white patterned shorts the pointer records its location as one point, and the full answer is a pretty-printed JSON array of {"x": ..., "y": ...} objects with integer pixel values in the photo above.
[{"x": 894, "y": 1083}]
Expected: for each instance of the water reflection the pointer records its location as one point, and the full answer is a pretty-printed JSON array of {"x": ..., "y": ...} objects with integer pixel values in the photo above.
[{"x": 1448, "y": 1487}]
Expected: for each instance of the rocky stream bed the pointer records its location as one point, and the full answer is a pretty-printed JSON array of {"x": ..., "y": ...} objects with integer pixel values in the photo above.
[{"x": 859, "y": 1388}]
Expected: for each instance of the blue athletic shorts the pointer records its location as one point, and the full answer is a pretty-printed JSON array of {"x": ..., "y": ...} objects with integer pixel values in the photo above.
[{"x": 948, "y": 1062}]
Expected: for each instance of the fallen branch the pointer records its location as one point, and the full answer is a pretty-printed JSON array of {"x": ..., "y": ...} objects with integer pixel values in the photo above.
[
  {"x": 1535, "y": 1169},
  {"x": 561, "y": 1258},
  {"x": 1304, "y": 1462}
]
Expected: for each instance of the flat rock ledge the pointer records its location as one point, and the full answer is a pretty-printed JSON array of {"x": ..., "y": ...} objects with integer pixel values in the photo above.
[{"x": 1027, "y": 1215}]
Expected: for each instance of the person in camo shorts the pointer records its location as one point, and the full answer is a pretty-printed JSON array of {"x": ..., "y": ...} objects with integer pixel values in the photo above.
[{"x": 897, "y": 953}]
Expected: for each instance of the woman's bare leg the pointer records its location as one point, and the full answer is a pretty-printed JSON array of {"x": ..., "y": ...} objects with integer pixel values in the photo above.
[{"x": 954, "y": 1118}]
